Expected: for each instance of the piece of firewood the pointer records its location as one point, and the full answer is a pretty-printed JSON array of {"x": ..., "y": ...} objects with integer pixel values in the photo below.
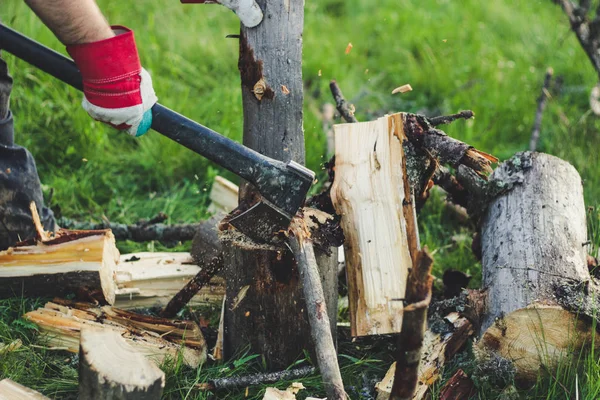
[
  {"x": 256, "y": 379},
  {"x": 533, "y": 240},
  {"x": 109, "y": 368},
  {"x": 156, "y": 338},
  {"x": 152, "y": 279},
  {"x": 459, "y": 387},
  {"x": 223, "y": 196},
  {"x": 70, "y": 262},
  {"x": 438, "y": 348},
  {"x": 410, "y": 342},
  {"x": 371, "y": 193},
  {"x": 10, "y": 390},
  {"x": 320, "y": 329}
]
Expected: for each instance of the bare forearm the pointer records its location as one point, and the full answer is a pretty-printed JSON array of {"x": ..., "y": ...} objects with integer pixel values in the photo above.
[{"x": 72, "y": 21}]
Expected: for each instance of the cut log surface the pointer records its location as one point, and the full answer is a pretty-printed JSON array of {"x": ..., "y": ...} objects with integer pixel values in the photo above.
[
  {"x": 156, "y": 338},
  {"x": 152, "y": 279},
  {"x": 533, "y": 239},
  {"x": 74, "y": 261},
  {"x": 10, "y": 390},
  {"x": 109, "y": 368},
  {"x": 371, "y": 193}
]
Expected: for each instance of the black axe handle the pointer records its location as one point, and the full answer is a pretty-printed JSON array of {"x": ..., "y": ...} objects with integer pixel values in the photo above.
[{"x": 242, "y": 161}]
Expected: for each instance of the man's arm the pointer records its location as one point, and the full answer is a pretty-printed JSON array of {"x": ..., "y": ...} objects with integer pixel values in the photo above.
[
  {"x": 117, "y": 90},
  {"x": 73, "y": 21}
]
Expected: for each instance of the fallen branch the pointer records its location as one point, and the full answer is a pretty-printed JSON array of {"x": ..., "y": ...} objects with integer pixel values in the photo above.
[
  {"x": 255, "y": 379},
  {"x": 408, "y": 352},
  {"x": 140, "y": 232},
  {"x": 541, "y": 105},
  {"x": 447, "y": 119},
  {"x": 301, "y": 245},
  {"x": 345, "y": 109}
]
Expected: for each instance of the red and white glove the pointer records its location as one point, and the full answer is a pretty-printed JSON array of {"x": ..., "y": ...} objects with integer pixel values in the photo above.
[{"x": 117, "y": 90}]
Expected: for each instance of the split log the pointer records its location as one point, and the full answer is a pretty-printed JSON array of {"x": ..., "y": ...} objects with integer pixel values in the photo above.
[
  {"x": 156, "y": 338},
  {"x": 459, "y": 387},
  {"x": 152, "y": 279},
  {"x": 371, "y": 193},
  {"x": 533, "y": 239},
  {"x": 320, "y": 328},
  {"x": 109, "y": 368},
  {"x": 10, "y": 390},
  {"x": 81, "y": 262},
  {"x": 223, "y": 196},
  {"x": 439, "y": 346}
]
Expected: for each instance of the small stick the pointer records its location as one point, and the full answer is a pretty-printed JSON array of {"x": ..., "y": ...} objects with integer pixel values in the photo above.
[
  {"x": 542, "y": 100},
  {"x": 184, "y": 296},
  {"x": 446, "y": 119},
  {"x": 345, "y": 109},
  {"x": 408, "y": 352},
  {"x": 301, "y": 245},
  {"x": 255, "y": 379}
]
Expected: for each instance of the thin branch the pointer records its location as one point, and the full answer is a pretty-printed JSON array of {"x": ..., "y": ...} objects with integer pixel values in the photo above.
[
  {"x": 255, "y": 379},
  {"x": 446, "y": 119},
  {"x": 345, "y": 109},
  {"x": 542, "y": 100}
]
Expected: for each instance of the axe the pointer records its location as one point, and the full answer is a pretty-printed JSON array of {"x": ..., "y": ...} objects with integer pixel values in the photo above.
[{"x": 283, "y": 186}]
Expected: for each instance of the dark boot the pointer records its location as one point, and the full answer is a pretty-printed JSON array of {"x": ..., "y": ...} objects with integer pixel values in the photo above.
[{"x": 19, "y": 181}]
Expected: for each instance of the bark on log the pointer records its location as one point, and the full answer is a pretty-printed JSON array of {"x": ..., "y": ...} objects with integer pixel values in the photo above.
[
  {"x": 271, "y": 316},
  {"x": 372, "y": 194},
  {"x": 147, "y": 280},
  {"x": 109, "y": 368},
  {"x": 439, "y": 346},
  {"x": 10, "y": 390},
  {"x": 459, "y": 387},
  {"x": 156, "y": 338},
  {"x": 256, "y": 379},
  {"x": 320, "y": 328},
  {"x": 80, "y": 262},
  {"x": 533, "y": 239}
]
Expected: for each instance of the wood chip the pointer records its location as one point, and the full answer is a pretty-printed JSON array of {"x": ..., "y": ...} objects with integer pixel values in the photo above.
[
  {"x": 285, "y": 90},
  {"x": 402, "y": 89},
  {"x": 349, "y": 48}
]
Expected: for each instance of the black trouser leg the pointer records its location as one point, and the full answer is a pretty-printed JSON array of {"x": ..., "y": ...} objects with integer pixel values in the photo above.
[{"x": 19, "y": 181}]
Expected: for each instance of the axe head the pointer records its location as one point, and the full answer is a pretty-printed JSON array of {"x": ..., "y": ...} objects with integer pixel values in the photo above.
[{"x": 282, "y": 195}]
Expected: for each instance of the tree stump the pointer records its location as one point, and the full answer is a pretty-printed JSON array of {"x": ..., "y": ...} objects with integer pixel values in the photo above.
[
  {"x": 533, "y": 240},
  {"x": 110, "y": 369}
]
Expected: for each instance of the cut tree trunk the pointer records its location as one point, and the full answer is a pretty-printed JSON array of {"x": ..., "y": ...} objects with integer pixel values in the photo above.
[
  {"x": 371, "y": 193},
  {"x": 533, "y": 241},
  {"x": 152, "y": 279},
  {"x": 10, "y": 390},
  {"x": 265, "y": 308},
  {"x": 109, "y": 368},
  {"x": 156, "y": 338},
  {"x": 80, "y": 262}
]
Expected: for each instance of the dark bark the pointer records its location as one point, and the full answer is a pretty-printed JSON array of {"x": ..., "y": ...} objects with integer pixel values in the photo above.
[
  {"x": 459, "y": 387},
  {"x": 408, "y": 352},
  {"x": 447, "y": 119}
]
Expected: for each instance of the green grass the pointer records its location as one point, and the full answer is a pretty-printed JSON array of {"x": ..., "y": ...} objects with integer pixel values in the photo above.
[{"x": 486, "y": 56}]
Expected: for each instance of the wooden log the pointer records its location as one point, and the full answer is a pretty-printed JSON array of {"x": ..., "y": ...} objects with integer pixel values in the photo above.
[
  {"x": 532, "y": 238},
  {"x": 109, "y": 368},
  {"x": 371, "y": 193},
  {"x": 439, "y": 346},
  {"x": 459, "y": 387},
  {"x": 152, "y": 279},
  {"x": 320, "y": 328},
  {"x": 10, "y": 390},
  {"x": 80, "y": 262},
  {"x": 223, "y": 196},
  {"x": 156, "y": 338},
  {"x": 234, "y": 382}
]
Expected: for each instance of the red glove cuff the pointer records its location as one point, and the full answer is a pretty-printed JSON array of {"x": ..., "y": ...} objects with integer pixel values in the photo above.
[{"x": 110, "y": 70}]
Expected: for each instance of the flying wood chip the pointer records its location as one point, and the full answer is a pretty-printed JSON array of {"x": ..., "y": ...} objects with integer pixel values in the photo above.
[
  {"x": 349, "y": 48},
  {"x": 402, "y": 89}
]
